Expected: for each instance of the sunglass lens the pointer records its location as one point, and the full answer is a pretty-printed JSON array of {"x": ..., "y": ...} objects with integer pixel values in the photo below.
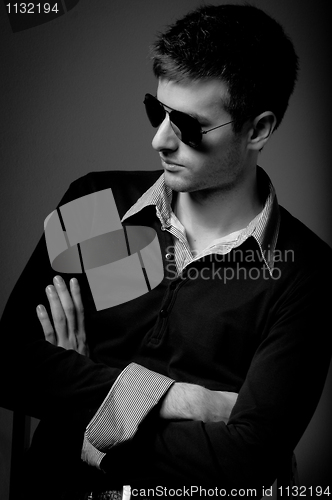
[
  {"x": 187, "y": 128},
  {"x": 154, "y": 110}
]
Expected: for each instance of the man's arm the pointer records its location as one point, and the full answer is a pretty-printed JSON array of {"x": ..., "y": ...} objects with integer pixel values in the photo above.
[
  {"x": 194, "y": 402},
  {"x": 274, "y": 406},
  {"x": 44, "y": 379},
  {"x": 65, "y": 327}
]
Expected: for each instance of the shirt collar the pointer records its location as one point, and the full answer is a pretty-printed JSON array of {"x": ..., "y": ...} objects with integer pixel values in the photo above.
[
  {"x": 159, "y": 195},
  {"x": 266, "y": 227}
]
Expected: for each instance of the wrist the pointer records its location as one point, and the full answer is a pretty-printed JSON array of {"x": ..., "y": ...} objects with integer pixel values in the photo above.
[{"x": 184, "y": 401}]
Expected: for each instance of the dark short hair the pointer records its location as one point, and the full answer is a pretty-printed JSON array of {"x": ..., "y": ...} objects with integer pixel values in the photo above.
[{"x": 239, "y": 44}]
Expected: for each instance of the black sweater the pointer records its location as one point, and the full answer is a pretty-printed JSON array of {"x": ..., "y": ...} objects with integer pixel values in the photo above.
[{"x": 266, "y": 338}]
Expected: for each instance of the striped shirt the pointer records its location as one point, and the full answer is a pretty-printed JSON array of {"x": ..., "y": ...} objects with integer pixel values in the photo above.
[
  {"x": 160, "y": 195},
  {"x": 137, "y": 390}
]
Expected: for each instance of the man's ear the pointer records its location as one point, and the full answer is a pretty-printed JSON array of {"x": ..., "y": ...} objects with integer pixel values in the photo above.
[{"x": 261, "y": 130}]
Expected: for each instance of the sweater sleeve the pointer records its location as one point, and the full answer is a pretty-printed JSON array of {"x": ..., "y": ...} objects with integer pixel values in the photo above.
[
  {"x": 49, "y": 381},
  {"x": 45, "y": 379}
]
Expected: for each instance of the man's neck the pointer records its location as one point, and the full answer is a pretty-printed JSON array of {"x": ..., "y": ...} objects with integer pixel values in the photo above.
[{"x": 207, "y": 216}]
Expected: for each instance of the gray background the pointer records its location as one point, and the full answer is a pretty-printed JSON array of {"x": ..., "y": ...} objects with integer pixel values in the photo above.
[{"x": 71, "y": 95}]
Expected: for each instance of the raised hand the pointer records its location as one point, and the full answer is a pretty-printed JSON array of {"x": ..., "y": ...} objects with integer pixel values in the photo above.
[{"x": 67, "y": 326}]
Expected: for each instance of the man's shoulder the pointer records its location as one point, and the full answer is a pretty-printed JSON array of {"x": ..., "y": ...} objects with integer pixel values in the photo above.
[
  {"x": 295, "y": 235},
  {"x": 116, "y": 179},
  {"x": 126, "y": 185}
]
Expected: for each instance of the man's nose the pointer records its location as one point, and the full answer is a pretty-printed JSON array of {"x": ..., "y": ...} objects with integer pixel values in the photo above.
[{"x": 165, "y": 138}]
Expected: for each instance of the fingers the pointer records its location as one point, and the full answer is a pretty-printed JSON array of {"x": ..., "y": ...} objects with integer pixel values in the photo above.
[
  {"x": 67, "y": 315},
  {"x": 82, "y": 346},
  {"x": 63, "y": 312},
  {"x": 66, "y": 303},
  {"x": 78, "y": 304},
  {"x": 46, "y": 324}
]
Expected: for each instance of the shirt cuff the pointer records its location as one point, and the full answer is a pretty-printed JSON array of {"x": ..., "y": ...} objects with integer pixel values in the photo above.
[
  {"x": 90, "y": 454},
  {"x": 133, "y": 395}
]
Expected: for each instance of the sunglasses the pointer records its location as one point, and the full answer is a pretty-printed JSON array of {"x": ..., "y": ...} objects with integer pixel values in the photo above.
[{"x": 186, "y": 127}]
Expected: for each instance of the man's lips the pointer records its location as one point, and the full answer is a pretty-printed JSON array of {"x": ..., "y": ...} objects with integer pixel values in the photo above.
[{"x": 170, "y": 165}]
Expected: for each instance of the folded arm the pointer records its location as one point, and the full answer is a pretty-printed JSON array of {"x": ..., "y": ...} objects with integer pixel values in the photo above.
[
  {"x": 274, "y": 406},
  {"x": 113, "y": 423}
]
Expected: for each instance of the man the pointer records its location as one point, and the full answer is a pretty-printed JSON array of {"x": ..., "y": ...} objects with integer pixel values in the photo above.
[{"x": 241, "y": 308}]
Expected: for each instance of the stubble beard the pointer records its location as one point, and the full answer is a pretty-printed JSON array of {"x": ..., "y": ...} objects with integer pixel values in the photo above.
[{"x": 218, "y": 181}]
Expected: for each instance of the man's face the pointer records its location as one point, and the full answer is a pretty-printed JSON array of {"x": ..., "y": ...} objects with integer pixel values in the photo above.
[{"x": 221, "y": 161}]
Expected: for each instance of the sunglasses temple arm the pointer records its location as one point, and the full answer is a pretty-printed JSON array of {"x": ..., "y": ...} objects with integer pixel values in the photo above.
[{"x": 214, "y": 128}]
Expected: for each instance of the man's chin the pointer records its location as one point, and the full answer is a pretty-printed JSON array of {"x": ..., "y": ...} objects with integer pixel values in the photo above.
[{"x": 176, "y": 182}]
